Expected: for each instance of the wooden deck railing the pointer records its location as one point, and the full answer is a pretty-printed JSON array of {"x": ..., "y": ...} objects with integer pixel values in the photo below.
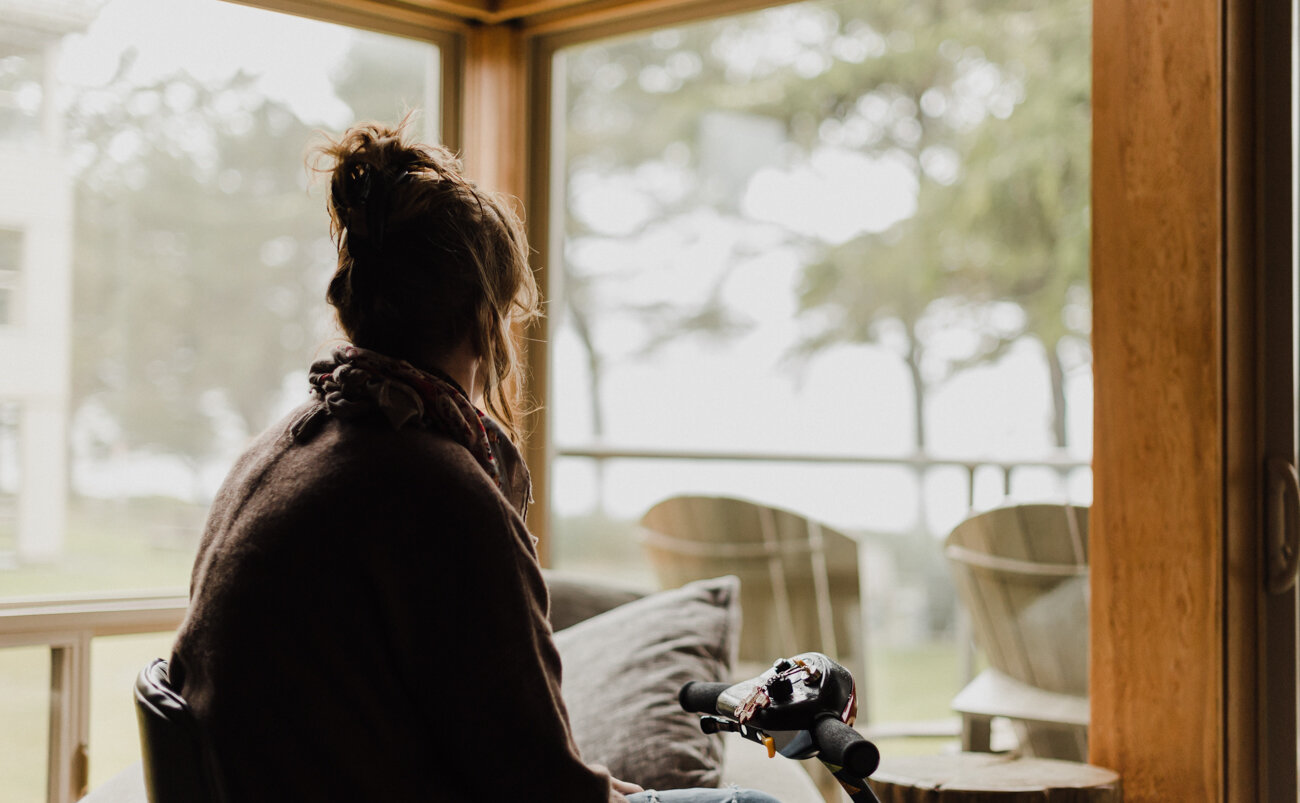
[
  {"x": 66, "y": 625},
  {"x": 1062, "y": 464}
]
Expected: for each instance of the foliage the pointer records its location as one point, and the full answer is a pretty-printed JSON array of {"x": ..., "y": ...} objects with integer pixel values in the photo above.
[
  {"x": 197, "y": 262},
  {"x": 201, "y": 257},
  {"x": 1002, "y": 207}
]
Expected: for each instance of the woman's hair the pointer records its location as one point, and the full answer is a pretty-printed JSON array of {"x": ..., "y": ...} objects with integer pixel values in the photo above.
[{"x": 426, "y": 259}]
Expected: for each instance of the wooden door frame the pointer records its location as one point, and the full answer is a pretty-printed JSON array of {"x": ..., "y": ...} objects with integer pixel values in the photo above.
[
  {"x": 1261, "y": 425},
  {"x": 1189, "y": 225}
]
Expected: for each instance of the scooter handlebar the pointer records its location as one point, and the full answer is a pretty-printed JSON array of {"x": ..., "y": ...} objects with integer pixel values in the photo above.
[
  {"x": 839, "y": 744},
  {"x": 701, "y": 698}
]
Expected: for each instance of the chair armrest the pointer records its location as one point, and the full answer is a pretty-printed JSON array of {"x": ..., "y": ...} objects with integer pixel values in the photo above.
[{"x": 995, "y": 694}]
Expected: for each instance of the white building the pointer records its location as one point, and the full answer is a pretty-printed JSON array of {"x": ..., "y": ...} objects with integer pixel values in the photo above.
[{"x": 36, "y": 216}]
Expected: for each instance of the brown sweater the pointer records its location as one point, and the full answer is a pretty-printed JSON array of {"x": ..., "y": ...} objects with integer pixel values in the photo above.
[{"x": 368, "y": 622}]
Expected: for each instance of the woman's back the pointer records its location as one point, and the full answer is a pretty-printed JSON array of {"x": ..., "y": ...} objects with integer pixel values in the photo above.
[{"x": 357, "y": 588}]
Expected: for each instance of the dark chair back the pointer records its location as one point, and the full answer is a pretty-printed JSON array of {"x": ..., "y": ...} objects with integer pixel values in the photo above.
[{"x": 175, "y": 770}]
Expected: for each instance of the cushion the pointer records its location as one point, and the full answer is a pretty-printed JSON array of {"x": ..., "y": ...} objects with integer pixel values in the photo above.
[{"x": 624, "y": 668}]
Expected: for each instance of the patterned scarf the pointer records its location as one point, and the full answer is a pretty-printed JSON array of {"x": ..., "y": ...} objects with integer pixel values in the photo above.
[{"x": 355, "y": 381}]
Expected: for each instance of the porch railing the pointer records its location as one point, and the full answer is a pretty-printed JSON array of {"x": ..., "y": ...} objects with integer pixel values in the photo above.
[
  {"x": 66, "y": 625},
  {"x": 918, "y": 462}
]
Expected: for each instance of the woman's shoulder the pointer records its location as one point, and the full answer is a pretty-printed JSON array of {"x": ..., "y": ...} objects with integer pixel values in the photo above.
[
  {"x": 321, "y": 452},
  {"x": 344, "y": 479},
  {"x": 369, "y": 448}
]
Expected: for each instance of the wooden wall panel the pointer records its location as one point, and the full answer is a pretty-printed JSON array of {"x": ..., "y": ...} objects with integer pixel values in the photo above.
[
  {"x": 495, "y": 144},
  {"x": 494, "y": 117},
  {"x": 1157, "y": 542}
]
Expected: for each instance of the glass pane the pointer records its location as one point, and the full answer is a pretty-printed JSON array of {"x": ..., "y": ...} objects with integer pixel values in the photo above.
[
  {"x": 22, "y": 87},
  {"x": 114, "y": 663},
  {"x": 176, "y": 261},
  {"x": 11, "y": 251},
  {"x": 11, "y": 264},
  {"x": 852, "y": 231},
  {"x": 9, "y": 485},
  {"x": 25, "y": 737}
]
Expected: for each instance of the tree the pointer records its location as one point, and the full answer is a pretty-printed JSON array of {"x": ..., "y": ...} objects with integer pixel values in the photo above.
[
  {"x": 984, "y": 101},
  {"x": 1002, "y": 214},
  {"x": 196, "y": 253},
  {"x": 201, "y": 258},
  {"x": 380, "y": 79}
]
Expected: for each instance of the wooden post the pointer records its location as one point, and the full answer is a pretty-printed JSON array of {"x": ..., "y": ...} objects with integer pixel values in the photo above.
[
  {"x": 495, "y": 125},
  {"x": 1157, "y": 540},
  {"x": 68, "y": 770}
]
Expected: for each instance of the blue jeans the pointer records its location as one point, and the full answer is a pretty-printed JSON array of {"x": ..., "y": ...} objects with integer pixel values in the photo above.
[{"x": 728, "y": 795}]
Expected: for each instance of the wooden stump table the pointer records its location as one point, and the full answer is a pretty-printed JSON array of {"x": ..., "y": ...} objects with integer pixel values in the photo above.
[{"x": 992, "y": 778}]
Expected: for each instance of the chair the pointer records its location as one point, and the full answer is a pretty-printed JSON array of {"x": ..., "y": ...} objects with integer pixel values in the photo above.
[
  {"x": 175, "y": 770},
  {"x": 1022, "y": 574},
  {"x": 800, "y": 586}
]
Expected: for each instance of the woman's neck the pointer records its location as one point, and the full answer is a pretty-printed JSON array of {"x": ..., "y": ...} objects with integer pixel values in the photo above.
[{"x": 462, "y": 364}]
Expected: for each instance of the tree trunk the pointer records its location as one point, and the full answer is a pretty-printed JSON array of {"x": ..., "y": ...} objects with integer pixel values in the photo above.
[
  {"x": 1059, "y": 402},
  {"x": 918, "y": 390},
  {"x": 594, "y": 369},
  {"x": 918, "y": 414},
  {"x": 1059, "y": 409}
]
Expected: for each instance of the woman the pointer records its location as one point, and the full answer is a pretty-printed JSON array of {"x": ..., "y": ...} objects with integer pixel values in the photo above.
[{"x": 367, "y": 617}]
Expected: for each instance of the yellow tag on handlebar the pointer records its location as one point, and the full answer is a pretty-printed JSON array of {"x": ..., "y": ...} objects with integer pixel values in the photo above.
[{"x": 770, "y": 744}]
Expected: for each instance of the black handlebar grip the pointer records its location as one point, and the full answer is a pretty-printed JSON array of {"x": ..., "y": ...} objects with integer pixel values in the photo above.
[
  {"x": 841, "y": 745},
  {"x": 701, "y": 698}
]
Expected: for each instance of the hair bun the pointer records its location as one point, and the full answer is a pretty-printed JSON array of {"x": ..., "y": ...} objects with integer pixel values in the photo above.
[
  {"x": 452, "y": 268},
  {"x": 355, "y": 188}
]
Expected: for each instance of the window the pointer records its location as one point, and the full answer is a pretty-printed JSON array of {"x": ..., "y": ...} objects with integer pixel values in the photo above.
[
  {"x": 10, "y": 483},
  {"x": 176, "y": 297},
  {"x": 11, "y": 263},
  {"x": 22, "y": 91},
  {"x": 830, "y": 256},
  {"x": 175, "y": 265}
]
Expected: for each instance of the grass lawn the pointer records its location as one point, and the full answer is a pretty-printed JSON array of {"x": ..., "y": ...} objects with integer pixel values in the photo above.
[{"x": 112, "y": 546}]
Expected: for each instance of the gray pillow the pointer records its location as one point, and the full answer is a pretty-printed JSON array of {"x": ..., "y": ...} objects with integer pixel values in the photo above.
[{"x": 622, "y": 672}]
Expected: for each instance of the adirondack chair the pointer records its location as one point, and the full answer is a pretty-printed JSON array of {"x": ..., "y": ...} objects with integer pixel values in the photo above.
[
  {"x": 799, "y": 580},
  {"x": 1022, "y": 573}
]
